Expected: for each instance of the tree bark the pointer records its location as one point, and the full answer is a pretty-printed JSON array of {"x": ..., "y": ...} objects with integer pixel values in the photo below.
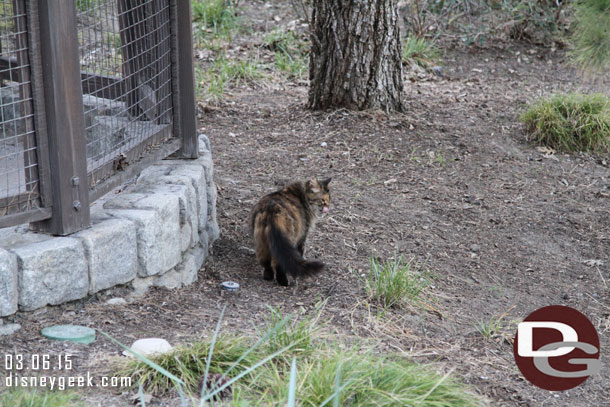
[{"x": 355, "y": 60}]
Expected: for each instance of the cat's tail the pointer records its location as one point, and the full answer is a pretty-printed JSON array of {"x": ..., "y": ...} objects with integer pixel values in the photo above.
[{"x": 289, "y": 257}]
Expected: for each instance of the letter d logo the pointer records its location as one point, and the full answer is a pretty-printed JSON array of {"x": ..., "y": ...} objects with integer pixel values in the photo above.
[{"x": 525, "y": 330}]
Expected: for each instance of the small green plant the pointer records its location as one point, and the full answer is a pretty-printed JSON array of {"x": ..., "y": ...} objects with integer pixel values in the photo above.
[
  {"x": 217, "y": 16},
  {"x": 495, "y": 290},
  {"x": 419, "y": 51},
  {"x": 113, "y": 40},
  {"x": 84, "y": 5},
  {"x": 497, "y": 328},
  {"x": 570, "y": 122},
  {"x": 436, "y": 157},
  {"x": 294, "y": 67},
  {"x": 440, "y": 159},
  {"x": 285, "y": 41},
  {"x": 489, "y": 329},
  {"x": 395, "y": 283},
  {"x": 17, "y": 397},
  {"x": 290, "y": 51}
]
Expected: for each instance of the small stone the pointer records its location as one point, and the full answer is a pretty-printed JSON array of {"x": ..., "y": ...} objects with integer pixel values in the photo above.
[
  {"x": 149, "y": 346},
  {"x": 438, "y": 70},
  {"x": 9, "y": 329},
  {"x": 247, "y": 250},
  {"x": 141, "y": 285},
  {"x": 324, "y": 144},
  {"x": 593, "y": 262},
  {"x": 475, "y": 248},
  {"x": 138, "y": 400},
  {"x": 116, "y": 301}
]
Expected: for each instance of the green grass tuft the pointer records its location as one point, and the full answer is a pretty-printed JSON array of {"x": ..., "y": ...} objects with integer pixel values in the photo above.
[
  {"x": 285, "y": 41},
  {"x": 570, "y": 122},
  {"x": 213, "y": 13},
  {"x": 38, "y": 398},
  {"x": 213, "y": 82},
  {"x": 354, "y": 378},
  {"x": 297, "y": 335},
  {"x": 214, "y": 20},
  {"x": 395, "y": 283},
  {"x": 592, "y": 35},
  {"x": 419, "y": 51},
  {"x": 188, "y": 363}
]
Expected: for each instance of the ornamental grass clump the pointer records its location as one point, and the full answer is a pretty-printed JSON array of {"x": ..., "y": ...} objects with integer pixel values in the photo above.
[{"x": 570, "y": 122}]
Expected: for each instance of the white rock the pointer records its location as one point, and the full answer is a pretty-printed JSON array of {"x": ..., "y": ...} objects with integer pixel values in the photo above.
[
  {"x": 149, "y": 347},
  {"x": 116, "y": 301},
  {"x": 9, "y": 329}
]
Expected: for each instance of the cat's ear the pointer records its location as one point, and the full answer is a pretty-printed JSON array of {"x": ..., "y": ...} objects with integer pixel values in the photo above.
[
  {"x": 325, "y": 182},
  {"x": 312, "y": 186}
]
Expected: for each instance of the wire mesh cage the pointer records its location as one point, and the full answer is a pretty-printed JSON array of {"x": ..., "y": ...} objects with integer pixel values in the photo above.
[
  {"x": 19, "y": 183},
  {"x": 90, "y": 90},
  {"x": 125, "y": 58}
]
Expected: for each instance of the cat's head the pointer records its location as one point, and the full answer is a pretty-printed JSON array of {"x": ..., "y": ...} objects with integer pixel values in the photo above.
[{"x": 318, "y": 195}]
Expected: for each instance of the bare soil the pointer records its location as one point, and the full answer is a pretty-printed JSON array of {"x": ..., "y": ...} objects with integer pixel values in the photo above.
[{"x": 504, "y": 227}]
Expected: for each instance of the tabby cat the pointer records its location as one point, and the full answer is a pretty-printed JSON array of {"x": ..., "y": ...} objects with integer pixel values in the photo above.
[{"x": 280, "y": 223}]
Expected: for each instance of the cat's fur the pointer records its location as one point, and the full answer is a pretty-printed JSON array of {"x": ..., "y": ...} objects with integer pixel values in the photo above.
[{"x": 280, "y": 223}]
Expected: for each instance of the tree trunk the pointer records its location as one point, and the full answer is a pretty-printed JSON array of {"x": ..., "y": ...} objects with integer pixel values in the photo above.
[{"x": 356, "y": 55}]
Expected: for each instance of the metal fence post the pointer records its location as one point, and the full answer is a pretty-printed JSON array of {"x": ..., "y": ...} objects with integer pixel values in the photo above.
[
  {"x": 64, "y": 117},
  {"x": 183, "y": 79}
]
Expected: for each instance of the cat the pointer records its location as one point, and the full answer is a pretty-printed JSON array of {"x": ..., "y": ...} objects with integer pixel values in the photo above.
[{"x": 280, "y": 222}]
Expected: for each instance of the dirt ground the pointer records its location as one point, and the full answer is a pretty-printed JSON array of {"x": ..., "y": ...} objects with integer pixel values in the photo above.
[{"x": 504, "y": 228}]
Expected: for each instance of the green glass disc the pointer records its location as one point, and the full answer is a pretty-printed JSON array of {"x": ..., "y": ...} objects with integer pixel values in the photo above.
[{"x": 74, "y": 333}]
